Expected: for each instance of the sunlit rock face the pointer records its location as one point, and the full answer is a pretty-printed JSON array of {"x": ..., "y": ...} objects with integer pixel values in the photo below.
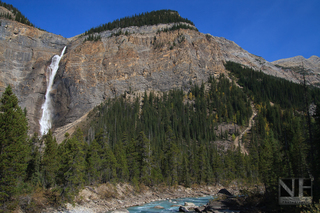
[
  {"x": 25, "y": 54},
  {"x": 299, "y": 65},
  {"x": 90, "y": 72}
]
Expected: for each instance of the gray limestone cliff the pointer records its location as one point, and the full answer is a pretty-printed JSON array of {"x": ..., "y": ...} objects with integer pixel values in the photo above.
[{"x": 301, "y": 66}]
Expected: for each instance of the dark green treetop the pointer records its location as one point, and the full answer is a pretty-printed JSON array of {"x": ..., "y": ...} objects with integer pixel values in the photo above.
[
  {"x": 147, "y": 18},
  {"x": 13, "y": 145}
]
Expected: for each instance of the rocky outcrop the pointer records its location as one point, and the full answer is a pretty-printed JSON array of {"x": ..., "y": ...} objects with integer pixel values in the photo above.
[
  {"x": 4, "y": 11},
  {"x": 232, "y": 52},
  {"x": 90, "y": 72},
  {"x": 300, "y": 66}
]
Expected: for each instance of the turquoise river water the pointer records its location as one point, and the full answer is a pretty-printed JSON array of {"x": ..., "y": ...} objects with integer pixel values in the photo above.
[{"x": 171, "y": 205}]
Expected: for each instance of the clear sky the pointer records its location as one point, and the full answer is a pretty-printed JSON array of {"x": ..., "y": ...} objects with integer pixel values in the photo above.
[{"x": 272, "y": 29}]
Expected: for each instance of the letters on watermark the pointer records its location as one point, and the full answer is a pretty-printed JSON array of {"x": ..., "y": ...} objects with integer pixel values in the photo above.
[{"x": 295, "y": 191}]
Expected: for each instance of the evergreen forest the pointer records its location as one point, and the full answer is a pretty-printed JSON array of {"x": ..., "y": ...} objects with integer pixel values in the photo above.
[
  {"x": 147, "y": 18},
  {"x": 170, "y": 138}
]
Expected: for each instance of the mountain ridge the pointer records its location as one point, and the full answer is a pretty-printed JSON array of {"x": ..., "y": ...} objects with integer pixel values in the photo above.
[{"x": 146, "y": 58}]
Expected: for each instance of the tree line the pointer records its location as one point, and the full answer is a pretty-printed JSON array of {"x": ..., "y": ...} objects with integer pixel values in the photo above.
[
  {"x": 18, "y": 16},
  {"x": 147, "y": 18}
]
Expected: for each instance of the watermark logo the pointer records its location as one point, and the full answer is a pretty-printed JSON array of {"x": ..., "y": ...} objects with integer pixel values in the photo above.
[{"x": 295, "y": 191}]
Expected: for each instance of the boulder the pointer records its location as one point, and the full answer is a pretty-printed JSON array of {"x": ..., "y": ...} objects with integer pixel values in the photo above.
[
  {"x": 200, "y": 209},
  {"x": 183, "y": 209},
  {"x": 209, "y": 209},
  {"x": 158, "y": 207},
  {"x": 189, "y": 204},
  {"x": 225, "y": 192}
]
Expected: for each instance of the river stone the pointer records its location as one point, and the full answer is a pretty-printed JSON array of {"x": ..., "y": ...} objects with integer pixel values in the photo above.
[
  {"x": 120, "y": 211},
  {"x": 199, "y": 209},
  {"x": 189, "y": 204},
  {"x": 225, "y": 192},
  {"x": 183, "y": 209}
]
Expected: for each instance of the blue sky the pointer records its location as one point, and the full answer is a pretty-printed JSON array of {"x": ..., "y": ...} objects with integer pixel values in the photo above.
[{"x": 272, "y": 29}]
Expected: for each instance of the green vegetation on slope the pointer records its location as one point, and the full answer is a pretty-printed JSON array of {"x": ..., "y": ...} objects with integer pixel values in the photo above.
[
  {"x": 147, "y": 18},
  {"x": 269, "y": 88},
  {"x": 18, "y": 15},
  {"x": 170, "y": 138},
  {"x": 285, "y": 141},
  {"x": 191, "y": 117}
]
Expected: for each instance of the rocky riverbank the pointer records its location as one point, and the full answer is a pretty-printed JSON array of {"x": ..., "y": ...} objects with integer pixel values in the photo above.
[
  {"x": 226, "y": 202},
  {"x": 110, "y": 197}
]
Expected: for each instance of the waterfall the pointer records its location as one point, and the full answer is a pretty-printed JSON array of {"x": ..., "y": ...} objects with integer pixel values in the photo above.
[{"x": 45, "y": 121}]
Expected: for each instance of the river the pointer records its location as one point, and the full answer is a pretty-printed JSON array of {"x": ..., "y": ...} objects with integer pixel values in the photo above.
[{"x": 172, "y": 205}]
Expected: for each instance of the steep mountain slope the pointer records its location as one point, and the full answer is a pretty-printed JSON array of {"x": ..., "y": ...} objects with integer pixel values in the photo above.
[
  {"x": 141, "y": 58},
  {"x": 25, "y": 53},
  {"x": 4, "y": 11},
  {"x": 299, "y": 65}
]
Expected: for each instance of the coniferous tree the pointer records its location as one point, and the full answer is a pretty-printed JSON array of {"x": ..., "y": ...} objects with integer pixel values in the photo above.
[
  {"x": 122, "y": 165},
  {"x": 185, "y": 176},
  {"x": 109, "y": 164},
  {"x": 14, "y": 148},
  {"x": 132, "y": 159},
  {"x": 94, "y": 162},
  {"x": 50, "y": 161},
  {"x": 316, "y": 166},
  {"x": 174, "y": 162},
  {"x": 72, "y": 165},
  {"x": 144, "y": 158},
  {"x": 34, "y": 165}
]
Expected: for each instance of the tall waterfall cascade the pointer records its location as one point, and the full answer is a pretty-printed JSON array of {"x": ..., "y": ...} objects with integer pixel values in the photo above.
[{"x": 47, "y": 108}]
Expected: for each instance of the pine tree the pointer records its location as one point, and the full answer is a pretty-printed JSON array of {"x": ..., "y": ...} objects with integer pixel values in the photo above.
[
  {"x": 144, "y": 158},
  {"x": 316, "y": 166},
  {"x": 202, "y": 158},
  {"x": 50, "y": 163},
  {"x": 269, "y": 163},
  {"x": 94, "y": 162},
  {"x": 34, "y": 164},
  {"x": 185, "y": 176},
  {"x": 109, "y": 165},
  {"x": 132, "y": 159},
  {"x": 72, "y": 165},
  {"x": 122, "y": 166},
  {"x": 14, "y": 148}
]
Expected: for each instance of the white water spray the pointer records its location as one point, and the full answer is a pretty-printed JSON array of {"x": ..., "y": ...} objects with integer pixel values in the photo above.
[{"x": 45, "y": 121}]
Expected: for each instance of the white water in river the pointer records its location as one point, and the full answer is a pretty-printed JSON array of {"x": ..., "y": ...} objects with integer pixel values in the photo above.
[{"x": 45, "y": 121}]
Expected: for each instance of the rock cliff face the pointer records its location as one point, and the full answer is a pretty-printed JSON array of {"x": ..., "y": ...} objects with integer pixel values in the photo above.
[
  {"x": 91, "y": 72},
  {"x": 299, "y": 65},
  {"x": 25, "y": 52}
]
